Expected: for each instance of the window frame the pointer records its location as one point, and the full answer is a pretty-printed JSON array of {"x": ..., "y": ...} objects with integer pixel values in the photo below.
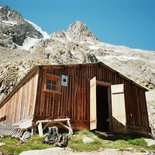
[{"x": 54, "y": 78}]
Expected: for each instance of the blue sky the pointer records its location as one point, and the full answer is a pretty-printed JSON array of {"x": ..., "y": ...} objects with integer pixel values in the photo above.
[{"x": 119, "y": 22}]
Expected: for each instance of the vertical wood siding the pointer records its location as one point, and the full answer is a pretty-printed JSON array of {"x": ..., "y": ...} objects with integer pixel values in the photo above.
[
  {"x": 74, "y": 100},
  {"x": 136, "y": 108},
  {"x": 21, "y": 104}
]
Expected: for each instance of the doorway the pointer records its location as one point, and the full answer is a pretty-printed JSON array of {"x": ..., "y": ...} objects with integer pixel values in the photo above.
[{"x": 102, "y": 103}]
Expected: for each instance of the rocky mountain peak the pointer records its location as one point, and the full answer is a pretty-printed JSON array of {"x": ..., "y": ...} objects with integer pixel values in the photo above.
[
  {"x": 14, "y": 30},
  {"x": 7, "y": 14},
  {"x": 79, "y": 32}
]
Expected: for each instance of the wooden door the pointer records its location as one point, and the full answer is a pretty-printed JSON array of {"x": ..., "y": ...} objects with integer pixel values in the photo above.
[
  {"x": 118, "y": 108},
  {"x": 93, "y": 114}
]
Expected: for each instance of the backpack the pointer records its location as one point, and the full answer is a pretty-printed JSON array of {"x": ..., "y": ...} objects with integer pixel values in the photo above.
[
  {"x": 52, "y": 136},
  {"x": 63, "y": 141}
]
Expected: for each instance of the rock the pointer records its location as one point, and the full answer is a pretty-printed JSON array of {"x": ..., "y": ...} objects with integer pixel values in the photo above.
[
  {"x": 150, "y": 142},
  {"x": 1, "y": 144},
  {"x": 86, "y": 139},
  {"x": 53, "y": 151},
  {"x": 7, "y": 14},
  {"x": 67, "y": 151},
  {"x": 79, "y": 32},
  {"x": 14, "y": 29}
]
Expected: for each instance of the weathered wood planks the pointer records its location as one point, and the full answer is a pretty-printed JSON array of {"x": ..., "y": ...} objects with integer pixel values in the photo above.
[{"x": 30, "y": 99}]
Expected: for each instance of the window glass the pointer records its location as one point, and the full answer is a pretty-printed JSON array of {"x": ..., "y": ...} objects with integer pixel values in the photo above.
[{"x": 53, "y": 82}]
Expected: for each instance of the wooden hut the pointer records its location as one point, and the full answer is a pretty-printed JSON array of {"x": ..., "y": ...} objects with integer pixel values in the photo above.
[{"x": 93, "y": 96}]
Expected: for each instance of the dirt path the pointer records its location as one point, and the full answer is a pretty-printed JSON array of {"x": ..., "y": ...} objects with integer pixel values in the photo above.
[{"x": 67, "y": 151}]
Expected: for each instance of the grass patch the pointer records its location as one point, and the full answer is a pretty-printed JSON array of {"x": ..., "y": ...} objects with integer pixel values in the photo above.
[
  {"x": 13, "y": 146},
  {"x": 138, "y": 142},
  {"x": 118, "y": 141},
  {"x": 77, "y": 144}
]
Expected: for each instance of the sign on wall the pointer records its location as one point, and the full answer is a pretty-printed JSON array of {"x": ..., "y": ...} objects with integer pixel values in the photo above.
[{"x": 64, "y": 80}]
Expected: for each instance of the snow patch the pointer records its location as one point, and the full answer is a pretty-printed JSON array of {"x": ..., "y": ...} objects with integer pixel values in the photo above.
[
  {"x": 10, "y": 22},
  {"x": 29, "y": 43},
  {"x": 92, "y": 47},
  {"x": 68, "y": 37},
  {"x": 109, "y": 57},
  {"x": 120, "y": 58},
  {"x": 90, "y": 42},
  {"x": 81, "y": 42},
  {"x": 44, "y": 34},
  {"x": 126, "y": 58}
]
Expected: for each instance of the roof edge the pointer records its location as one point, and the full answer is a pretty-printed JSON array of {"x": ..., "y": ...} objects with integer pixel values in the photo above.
[
  {"x": 125, "y": 77},
  {"x": 100, "y": 63},
  {"x": 36, "y": 68}
]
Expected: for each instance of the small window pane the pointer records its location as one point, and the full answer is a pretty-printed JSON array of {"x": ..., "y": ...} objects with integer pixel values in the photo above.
[
  {"x": 54, "y": 88},
  {"x": 48, "y": 81},
  {"x": 52, "y": 83},
  {"x": 48, "y": 87},
  {"x": 51, "y": 87}
]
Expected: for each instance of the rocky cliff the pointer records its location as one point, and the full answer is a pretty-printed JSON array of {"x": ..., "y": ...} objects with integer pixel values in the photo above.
[
  {"x": 14, "y": 30},
  {"x": 31, "y": 46}
]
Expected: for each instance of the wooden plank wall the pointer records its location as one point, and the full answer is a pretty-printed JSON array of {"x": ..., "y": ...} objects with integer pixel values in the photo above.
[
  {"x": 74, "y": 100},
  {"x": 136, "y": 108},
  {"x": 21, "y": 105}
]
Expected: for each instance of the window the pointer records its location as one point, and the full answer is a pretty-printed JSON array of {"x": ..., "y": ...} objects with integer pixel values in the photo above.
[{"x": 52, "y": 83}]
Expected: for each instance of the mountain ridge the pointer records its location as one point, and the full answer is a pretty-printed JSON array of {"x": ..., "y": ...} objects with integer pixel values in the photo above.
[{"x": 14, "y": 29}]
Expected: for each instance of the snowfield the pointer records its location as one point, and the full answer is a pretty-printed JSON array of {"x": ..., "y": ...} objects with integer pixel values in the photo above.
[{"x": 44, "y": 34}]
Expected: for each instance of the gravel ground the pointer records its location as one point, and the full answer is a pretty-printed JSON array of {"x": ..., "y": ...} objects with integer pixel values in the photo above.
[{"x": 67, "y": 151}]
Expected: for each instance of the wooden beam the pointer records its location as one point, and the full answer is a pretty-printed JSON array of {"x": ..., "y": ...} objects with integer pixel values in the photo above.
[
  {"x": 40, "y": 129},
  {"x": 58, "y": 121},
  {"x": 102, "y": 83}
]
